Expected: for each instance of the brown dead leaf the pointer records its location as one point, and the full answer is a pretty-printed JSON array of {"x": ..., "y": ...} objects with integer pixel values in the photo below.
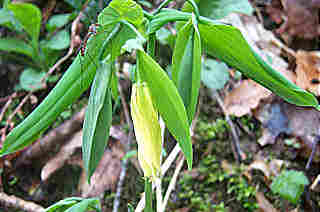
[
  {"x": 300, "y": 17},
  {"x": 316, "y": 185},
  {"x": 269, "y": 169},
  {"x": 264, "y": 204},
  {"x": 302, "y": 123},
  {"x": 243, "y": 99},
  {"x": 308, "y": 71}
]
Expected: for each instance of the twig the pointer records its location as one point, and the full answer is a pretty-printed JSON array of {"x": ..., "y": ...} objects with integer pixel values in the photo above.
[
  {"x": 235, "y": 139},
  {"x": 284, "y": 47},
  {"x": 9, "y": 120},
  {"x": 116, "y": 201},
  {"x": 5, "y": 107},
  {"x": 6, "y": 98},
  {"x": 180, "y": 164},
  {"x": 72, "y": 44},
  {"x": 17, "y": 203},
  {"x": 173, "y": 182},
  {"x": 314, "y": 148}
]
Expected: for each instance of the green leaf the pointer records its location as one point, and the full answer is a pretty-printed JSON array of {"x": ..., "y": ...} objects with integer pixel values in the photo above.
[
  {"x": 169, "y": 15},
  {"x": 164, "y": 36},
  {"x": 128, "y": 10},
  {"x": 114, "y": 85},
  {"x": 15, "y": 45},
  {"x": 29, "y": 16},
  {"x": 130, "y": 154},
  {"x": 63, "y": 204},
  {"x": 97, "y": 119},
  {"x": 186, "y": 66},
  {"x": 30, "y": 80},
  {"x": 217, "y": 9},
  {"x": 57, "y": 21},
  {"x": 167, "y": 101},
  {"x": 59, "y": 41},
  {"x": 214, "y": 74},
  {"x": 85, "y": 205},
  {"x": 227, "y": 44},
  {"x": 7, "y": 19},
  {"x": 77, "y": 4},
  {"x": 108, "y": 16},
  {"x": 290, "y": 185},
  {"x": 69, "y": 88}
]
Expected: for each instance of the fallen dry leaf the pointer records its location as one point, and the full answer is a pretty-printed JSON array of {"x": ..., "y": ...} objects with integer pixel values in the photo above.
[
  {"x": 300, "y": 122},
  {"x": 316, "y": 185},
  {"x": 243, "y": 99},
  {"x": 264, "y": 204},
  {"x": 269, "y": 169},
  {"x": 308, "y": 71},
  {"x": 300, "y": 17}
]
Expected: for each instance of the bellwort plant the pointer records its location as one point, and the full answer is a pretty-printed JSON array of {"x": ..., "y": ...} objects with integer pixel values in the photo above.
[{"x": 154, "y": 95}]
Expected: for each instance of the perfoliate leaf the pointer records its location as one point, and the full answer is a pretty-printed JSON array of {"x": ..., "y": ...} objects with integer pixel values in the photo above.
[
  {"x": 217, "y": 9},
  {"x": 186, "y": 66},
  {"x": 227, "y": 44},
  {"x": 167, "y": 101}
]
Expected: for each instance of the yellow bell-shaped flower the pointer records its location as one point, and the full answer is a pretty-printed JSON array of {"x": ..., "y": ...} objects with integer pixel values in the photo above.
[{"x": 147, "y": 130}]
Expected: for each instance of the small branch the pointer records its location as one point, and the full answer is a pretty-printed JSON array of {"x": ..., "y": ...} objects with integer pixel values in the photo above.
[
  {"x": 235, "y": 139},
  {"x": 314, "y": 148},
  {"x": 116, "y": 202},
  {"x": 20, "y": 204},
  {"x": 162, "y": 5},
  {"x": 173, "y": 183},
  {"x": 181, "y": 162},
  {"x": 5, "y": 107}
]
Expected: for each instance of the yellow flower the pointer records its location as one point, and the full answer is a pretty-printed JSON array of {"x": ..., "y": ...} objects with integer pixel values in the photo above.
[{"x": 147, "y": 130}]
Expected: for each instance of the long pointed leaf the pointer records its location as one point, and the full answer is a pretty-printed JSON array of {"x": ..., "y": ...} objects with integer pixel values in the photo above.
[
  {"x": 227, "y": 43},
  {"x": 167, "y": 100},
  {"x": 73, "y": 83},
  {"x": 97, "y": 120},
  {"x": 186, "y": 66}
]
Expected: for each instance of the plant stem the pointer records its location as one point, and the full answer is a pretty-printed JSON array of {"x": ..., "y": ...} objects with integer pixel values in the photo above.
[
  {"x": 148, "y": 195},
  {"x": 162, "y": 5},
  {"x": 151, "y": 49},
  {"x": 157, "y": 182}
]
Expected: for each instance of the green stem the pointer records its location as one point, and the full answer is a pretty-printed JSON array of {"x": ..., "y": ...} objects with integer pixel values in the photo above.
[
  {"x": 162, "y": 5},
  {"x": 195, "y": 8},
  {"x": 149, "y": 16},
  {"x": 151, "y": 48},
  {"x": 148, "y": 195}
]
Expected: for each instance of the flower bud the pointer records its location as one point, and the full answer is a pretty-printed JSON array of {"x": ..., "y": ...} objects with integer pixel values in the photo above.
[{"x": 147, "y": 130}]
